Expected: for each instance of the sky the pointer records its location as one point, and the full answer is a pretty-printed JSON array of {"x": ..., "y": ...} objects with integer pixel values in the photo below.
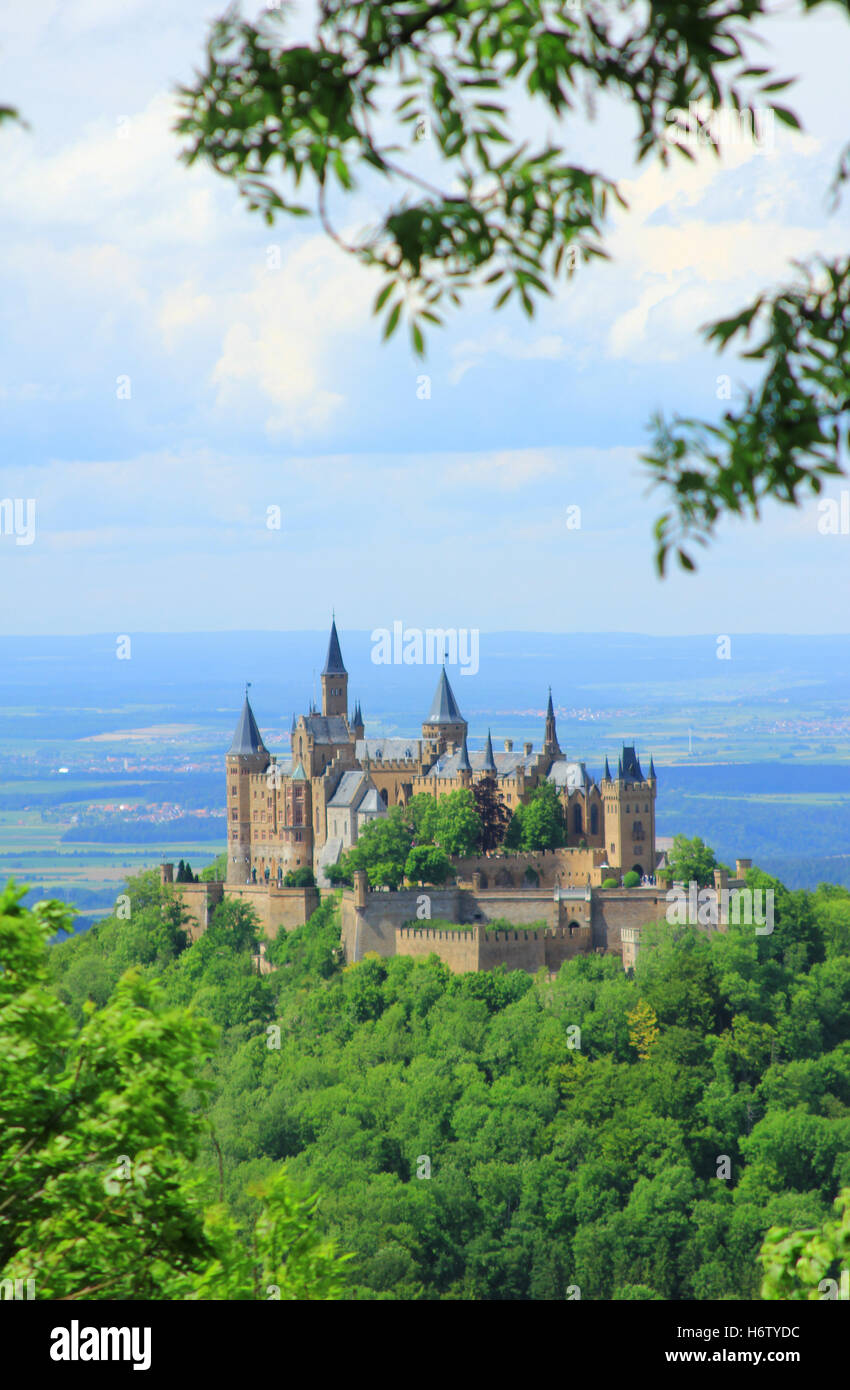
[{"x": 258, "y": 379}]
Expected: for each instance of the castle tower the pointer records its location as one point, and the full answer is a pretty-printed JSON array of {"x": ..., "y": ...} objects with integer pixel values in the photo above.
[
  {"x": 489, "y": 760},
  {"x": 445, "y": 724},
  {"x": 358, "y": 729},
  {"x": 629, "y": 806},
  {"x": 550, "y": 735},
  {"x": 334, "y": 678},
  {"x": 246, "y": 755},
  {"x": 464, "y": 767}
]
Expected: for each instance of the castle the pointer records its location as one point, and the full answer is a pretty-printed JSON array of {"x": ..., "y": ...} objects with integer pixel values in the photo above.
[
  {"x": 560, "y": 903},
  {"x": 306, "y": 811}
]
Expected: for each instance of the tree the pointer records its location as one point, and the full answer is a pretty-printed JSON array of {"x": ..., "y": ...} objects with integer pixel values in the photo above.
[
  {"x": 493, "y": 813},
  {"x": 300, "y": 878},
  {"x": 99, "y": 1130},
  {"x": 427, "y": 864},
  {"x": 643, "y": 1029},
  {"x": 797, "y": 1264},
  {"x": 538, "y": 824},
  {"x": 381, "y": 851},
  {"x": 458, "y": 828},
  {"x": 420, "y": 814},
  {"x": 692, "y": 861},
  {"x": 516, "y": 218}
]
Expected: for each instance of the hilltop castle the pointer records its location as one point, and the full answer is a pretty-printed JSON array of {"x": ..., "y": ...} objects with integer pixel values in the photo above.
[{"x": 305, "y": 812}]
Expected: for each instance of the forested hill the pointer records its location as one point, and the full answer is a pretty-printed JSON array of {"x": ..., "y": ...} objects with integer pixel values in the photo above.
[{"x": 465, "y": 1147}]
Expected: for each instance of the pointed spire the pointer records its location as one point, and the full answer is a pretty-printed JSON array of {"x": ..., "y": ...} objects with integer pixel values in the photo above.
[
  {"x": 607, "y": 773},
  {"x": 292, "y": 725},
  {"x": 619, "y": 769},
  {"x": 334, "y": 665},
  {"x": 444, "y": 706},
  {"x": 550, "y": 713},
  {"x": 247, "y": 738},
  {"x": 489, "y": 760},
  {"x": 651, "y": 769},
  {"x": 463, "y": 763},
  {"x": 358, "y": 717}
]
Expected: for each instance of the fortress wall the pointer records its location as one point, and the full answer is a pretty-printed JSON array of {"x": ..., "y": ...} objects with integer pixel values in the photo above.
[
  {"x": 525, "y": 908},
  {"x": 277, "y": 908},
  {"x": 571, "y": 867},
  {"x": 199, "y": 901},
  {"x": 562, "y": 945},
  {"x": 517, "y": 950},
  {"x": 624, "y": 907},
  {"x": 459, "y": 950},
  {"x": 372, "y": 927}
]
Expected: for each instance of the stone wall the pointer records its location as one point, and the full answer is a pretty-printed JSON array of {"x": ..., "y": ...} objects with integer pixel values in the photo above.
[
  {"x": 275, "y": 907},
  {"x": 479, "y": 949},
  {"x": 614, "y": 908},
  {"x": 569, "y": 867}
]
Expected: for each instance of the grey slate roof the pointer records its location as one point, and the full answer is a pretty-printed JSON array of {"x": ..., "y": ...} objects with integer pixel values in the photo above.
[
  {"x": 247, "y": 736},
  {"x": 334, "y": 665},
  {"x": 631, "y": 766},
  {"x": 387, "y": 749},
  {"x": 371, "y": 803},
  {"x": 327, "y": 728},
  {"x": 573, "y": 776},
  {"x": 444, "y": 706},
  {"x": 450, "y": 764},
  {"x": 489, "y": 763},
  {"x": 350, "y": 787},
  {"x": 463, "y": 763}
]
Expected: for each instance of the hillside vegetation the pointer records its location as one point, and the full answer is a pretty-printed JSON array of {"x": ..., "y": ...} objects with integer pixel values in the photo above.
[{"x": 487, "y": 1136}]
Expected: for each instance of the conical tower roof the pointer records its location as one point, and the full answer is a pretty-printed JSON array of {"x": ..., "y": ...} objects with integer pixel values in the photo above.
[
  {"x": 489, "y": 760},
  {"x": 550, "y": 712},
  {"x": 444, "y": 706},
  {"x": 463, "y": 763},
  {"x": 607, "y": 773},
  {"x": 247, "y": 736},
  {"x": 334, "y": 665}
]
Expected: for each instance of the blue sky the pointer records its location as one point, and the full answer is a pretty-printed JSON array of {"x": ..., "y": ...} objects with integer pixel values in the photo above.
[{"x": 254, "y": 387}]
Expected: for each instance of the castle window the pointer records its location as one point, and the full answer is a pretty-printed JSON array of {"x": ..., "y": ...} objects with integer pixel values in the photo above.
[
  {"x": 298, "y": 837},
  {"x": 576, "y": 820},
  {"x": 234, "y": 814}
]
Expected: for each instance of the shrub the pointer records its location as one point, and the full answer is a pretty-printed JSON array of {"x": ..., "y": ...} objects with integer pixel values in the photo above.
[
  {"x": 631, "y": 879},
  {"x": 610, "y": 883}
]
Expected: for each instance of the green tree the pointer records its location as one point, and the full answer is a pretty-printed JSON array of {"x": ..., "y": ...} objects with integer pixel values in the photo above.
[
  {"x": 458, "y": 828},
  {"x": 796, "y": 1263},
  {"x": 276, "y": 118},
  {"x": 538, "y": 824},
  {"x": 99, "y": 1130},
  {"x": 692, "y": 861},
  {"x": 420, "y": 814},
  {"x": 427, "y": 864}
]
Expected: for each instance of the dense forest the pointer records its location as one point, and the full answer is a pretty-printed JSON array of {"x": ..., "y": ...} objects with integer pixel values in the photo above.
[{"x": 490, "y": 1136}]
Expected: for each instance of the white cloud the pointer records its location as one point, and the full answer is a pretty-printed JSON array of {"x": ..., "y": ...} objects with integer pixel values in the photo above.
[{"x": 287, "y": 332}]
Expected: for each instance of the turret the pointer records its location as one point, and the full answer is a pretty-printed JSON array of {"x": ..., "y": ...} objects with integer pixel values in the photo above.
[
  {"x": 334, "y": 678},
  {"x": 444, "y": 724},
  {"x": 246, "y": 755},
  {"x": 550, "y": 736},
  {"x": 489, "y": 760}
]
